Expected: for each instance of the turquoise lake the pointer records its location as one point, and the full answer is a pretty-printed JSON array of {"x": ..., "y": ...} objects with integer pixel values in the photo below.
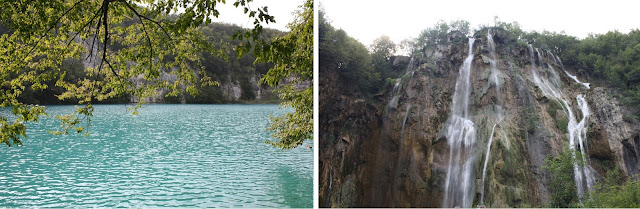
[{"x": 167, "y": 156}]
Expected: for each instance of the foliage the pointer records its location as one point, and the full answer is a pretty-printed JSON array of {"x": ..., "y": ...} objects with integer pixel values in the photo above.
[
  {"x": 613, "y": 193},
  {"x": 345, "y": 55},
  {"x": 430, "y": 37},
  {"x": 383, "y": 48},
  {"x": 561, "y": 179},
  {"x": 45, "y": 33},
  {"x": 614, "y": 56},
  {"x": 293, "y": 58},
  {"x": 382, "y": 51}
]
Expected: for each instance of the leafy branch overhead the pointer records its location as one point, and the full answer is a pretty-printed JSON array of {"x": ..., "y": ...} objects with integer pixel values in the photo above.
[
  {"x": 116, "y": 39},
  {"x": 292, "y": 55}
]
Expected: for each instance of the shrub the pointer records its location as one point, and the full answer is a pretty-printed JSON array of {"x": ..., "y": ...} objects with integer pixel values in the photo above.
[
  {"x": 613, "y": 194},
  {"x": 560, "y": 170}
]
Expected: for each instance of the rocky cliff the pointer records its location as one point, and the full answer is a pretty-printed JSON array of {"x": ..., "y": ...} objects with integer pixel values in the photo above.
[
  {"x": 236, "y": 86},
  {"x": 230, "y": 90},
  {"x": 396, "y": 150}
]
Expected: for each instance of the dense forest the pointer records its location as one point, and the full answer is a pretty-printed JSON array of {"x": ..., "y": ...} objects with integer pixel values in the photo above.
[
  {"x": 366, "y": 135},
  {"x": 225, "y": 68}
]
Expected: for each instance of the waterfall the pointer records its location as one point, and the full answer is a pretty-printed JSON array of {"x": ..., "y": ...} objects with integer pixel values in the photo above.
[
  {"x": 486, "y": 160},
  {"x": 394, "y": 104},
  {"x": 404, "y": 121},
  {"x": 581, "y": 130},
  {"x": 328, "y": 203},
  {"x": 560, "y": 62},
  {"x": 492, "y": 50},
  {"x": 461, "y": 139},
  {"x": 575, "y": 78},
  {"x": 494, "y": 71},
  {"x": 556, "y": 77},
  {"x": 395, "y": 93},
  {"x": 583, "y": 175},
  {"x": 552, "y": 56},
  {"x": 493, "y": 63}
]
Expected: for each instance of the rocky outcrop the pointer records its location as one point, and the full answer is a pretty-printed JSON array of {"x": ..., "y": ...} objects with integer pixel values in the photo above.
[
  {"x": 393, "y": 152},
  {"x": 231, "y": 91},
  {"x": 614, "y": 142}
]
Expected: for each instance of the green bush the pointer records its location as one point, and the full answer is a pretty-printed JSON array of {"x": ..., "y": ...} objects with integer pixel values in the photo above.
[
  {"x": 390, "y": 82},
  {"x": 614, "y": 194},
  {"x": 560, "y": 168}
]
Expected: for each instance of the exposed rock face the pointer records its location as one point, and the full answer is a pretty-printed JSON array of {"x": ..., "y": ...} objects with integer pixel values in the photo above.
[
  {"x": 231, "y": 89},
  {"x": 394, "y": 153},
  {"x": 230, "y": 86}
]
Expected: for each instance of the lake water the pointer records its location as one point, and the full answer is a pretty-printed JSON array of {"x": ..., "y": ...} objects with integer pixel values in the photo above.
[{"x": 167, "y": 156}]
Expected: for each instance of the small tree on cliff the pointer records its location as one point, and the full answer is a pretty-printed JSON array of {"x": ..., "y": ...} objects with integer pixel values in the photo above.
[{"x": 382, "y": 50}]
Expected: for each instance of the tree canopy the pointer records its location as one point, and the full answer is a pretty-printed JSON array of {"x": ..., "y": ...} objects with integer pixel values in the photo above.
[
  {"x": 292, "y": 55},
  {"x": 350, "y": 58},
  {"x": 118, "y": 39}
]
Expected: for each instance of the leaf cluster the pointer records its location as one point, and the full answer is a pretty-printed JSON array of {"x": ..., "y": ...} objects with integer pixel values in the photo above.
[
  {"x": 120, "y": 41},
  {"x": 614, "y": 193},
  {"x": 292, "y": 55},
  {"x": 561, "y": 178},
  {"x": 349, "y": 58}
]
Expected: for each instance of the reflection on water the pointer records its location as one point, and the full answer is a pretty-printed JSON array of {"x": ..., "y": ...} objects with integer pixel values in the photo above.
[{"x": 168, "y": 155}]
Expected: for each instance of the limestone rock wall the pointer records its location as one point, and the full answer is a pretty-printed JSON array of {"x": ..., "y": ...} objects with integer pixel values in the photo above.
[{"x": 393, "y": 153}]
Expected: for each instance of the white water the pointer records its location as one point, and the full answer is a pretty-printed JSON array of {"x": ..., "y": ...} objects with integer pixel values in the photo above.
[
  {"x": 394, "y": 104},
  {"x": 575, "y": 78},
  {"x": 493, "y": 63},
  {"x": 555, "y": 61},
  {"x": 406, "y": 113},
  {"x": 581, "y": 134},
  {"x": 396, "y": 88},
  {"x": 583, "y": 175},
  {"x": 404, "y": 121},
  {"x": 461, "y": 139},
  {"x": 494, "y": 70},
  {"x": 486, "y": 160},
  {"x": 329, "y": 190}
]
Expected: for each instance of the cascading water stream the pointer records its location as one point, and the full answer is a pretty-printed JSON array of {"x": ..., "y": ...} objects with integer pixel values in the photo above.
[
  {"x": 395, "y": 92},
  {"x": 581, "y": 134},
  {"x": 396, "y": 88},
  {"x": 329, "y": 190},
  {"x": 486, "y": 160},
  {"x": 494, "y": 70},
  {"x": 575, "y": 78},
  {"x": 461, "y": 139},
  {"x": 583, "y": 175},
  {"x": 555, "y": 61},
  {"x": 406, "y": 113},
  {"x": 404, "y": 121}
]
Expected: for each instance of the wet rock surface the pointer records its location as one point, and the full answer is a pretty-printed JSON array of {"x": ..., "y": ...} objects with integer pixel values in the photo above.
[{"x": 373, "y": 154}]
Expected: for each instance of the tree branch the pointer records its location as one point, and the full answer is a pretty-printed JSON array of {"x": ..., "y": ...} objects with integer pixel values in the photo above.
[
  {"x": 144, "y": 28},
  {"x": 83, "y": 27},
  {"x": 105, "y": 22},
  {"x": 93, "y": 42},
  {"x": 146, "y": 18},
  {"x": 51, "y": 27}
]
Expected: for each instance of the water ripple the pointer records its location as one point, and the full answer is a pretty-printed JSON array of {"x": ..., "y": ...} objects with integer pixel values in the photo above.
[{"x": 167, "y": 156}]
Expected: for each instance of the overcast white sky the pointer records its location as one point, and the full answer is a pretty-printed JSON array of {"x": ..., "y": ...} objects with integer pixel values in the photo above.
[
  {"x": 282, "y": 10},
  {"x": 367, "y": 20}
]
